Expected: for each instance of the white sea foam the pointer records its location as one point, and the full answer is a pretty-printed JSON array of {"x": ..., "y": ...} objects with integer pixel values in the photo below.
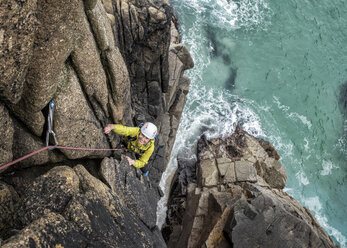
[
  {"x": 292, "y": 115},
  {"x": 301, "y": 176},
  {"x": 253, "y": 14},
  {"x": 327, "y": 167},
  {"x": 314, "y": 204},
  {"x": 307, "y": 144},
  {"x": 230, "y": 15},
  {"x": 245, "y": 15},
  {"x": 224, "y": 12},
  {"x": 210, "y": 112},
  {"x": 302, "y": 118}
]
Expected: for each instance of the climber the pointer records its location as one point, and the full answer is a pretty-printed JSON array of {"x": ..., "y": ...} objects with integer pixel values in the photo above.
[{"x": 139, "y": 140}]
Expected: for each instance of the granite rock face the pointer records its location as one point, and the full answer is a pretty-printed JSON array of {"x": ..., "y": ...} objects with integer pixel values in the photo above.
[
  {"x": 102, "y": 62},
  {"x": 236, "y": 199},
  {"x": 69, "y": 207}
]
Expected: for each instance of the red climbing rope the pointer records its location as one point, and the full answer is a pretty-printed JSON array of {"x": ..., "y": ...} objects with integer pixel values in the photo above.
[{"x": 59, "y": 147}]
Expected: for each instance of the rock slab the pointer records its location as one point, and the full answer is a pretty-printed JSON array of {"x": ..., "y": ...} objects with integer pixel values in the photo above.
[{"x": 236, "y": 200}]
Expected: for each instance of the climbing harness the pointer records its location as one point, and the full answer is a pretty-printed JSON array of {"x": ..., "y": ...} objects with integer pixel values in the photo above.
[{"x": 50, "y": 126}]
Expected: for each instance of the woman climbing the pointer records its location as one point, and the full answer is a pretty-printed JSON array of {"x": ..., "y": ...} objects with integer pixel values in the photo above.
[{"x": 139, "y": 140}]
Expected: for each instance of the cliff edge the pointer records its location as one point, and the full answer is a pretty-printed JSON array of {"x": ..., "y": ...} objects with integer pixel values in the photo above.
[{"x": 232, "y": 196}]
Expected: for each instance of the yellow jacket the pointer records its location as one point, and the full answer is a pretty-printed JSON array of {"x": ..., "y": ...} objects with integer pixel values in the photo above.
[{"x": 145, "y": 150}]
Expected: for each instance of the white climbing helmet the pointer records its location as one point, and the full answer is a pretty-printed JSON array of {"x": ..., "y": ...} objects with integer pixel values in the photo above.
[{"x": 149, "y": 130}]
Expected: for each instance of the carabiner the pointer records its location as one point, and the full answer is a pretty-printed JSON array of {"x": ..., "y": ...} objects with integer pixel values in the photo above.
[{"x": 50, "y": 126}]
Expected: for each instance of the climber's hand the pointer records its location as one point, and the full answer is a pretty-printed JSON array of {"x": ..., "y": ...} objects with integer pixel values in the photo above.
[
  {"x": 131, "y": 161},
  {"x": 108, "y": 128}
]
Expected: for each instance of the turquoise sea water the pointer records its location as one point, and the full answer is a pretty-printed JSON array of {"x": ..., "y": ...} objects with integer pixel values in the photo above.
[{"x": 276, "y": 68}]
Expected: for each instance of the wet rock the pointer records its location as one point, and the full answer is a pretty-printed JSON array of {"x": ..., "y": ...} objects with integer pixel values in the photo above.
[{"x": 343, "y": 97}]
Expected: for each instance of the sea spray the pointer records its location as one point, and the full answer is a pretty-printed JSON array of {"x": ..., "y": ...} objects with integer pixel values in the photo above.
[
  {"x": 282, "y": 61},
  {"x": 212, "y": 113}
]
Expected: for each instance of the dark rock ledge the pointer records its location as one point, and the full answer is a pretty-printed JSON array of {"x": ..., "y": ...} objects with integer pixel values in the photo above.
[
  {"x": 69, "y": 207},
  {"x": 235, "y": 199}
]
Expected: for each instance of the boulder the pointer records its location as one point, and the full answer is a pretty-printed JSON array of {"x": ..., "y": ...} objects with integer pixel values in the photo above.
[
  {"x": 120, "y": 86},
  {"x": 183, "y": 55},
  {"x": 72, "y": 205},
  {"x": 156, "y": 16},
  {"x": 51, "y": 191},
  {"x": 100, "y": 25},
  {"x": 121, "y": 220},
  {"x": 108, "y": 172},
  {"x": 270, "y": 218},
  {"x": 35, "y": 121}
]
